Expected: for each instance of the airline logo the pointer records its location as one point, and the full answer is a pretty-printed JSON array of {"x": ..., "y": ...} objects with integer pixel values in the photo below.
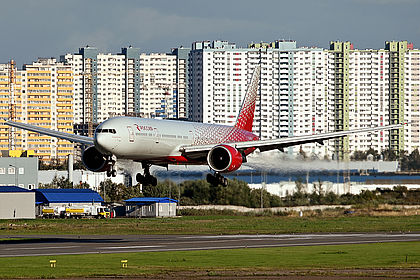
[{"x": 144, "y": 127}]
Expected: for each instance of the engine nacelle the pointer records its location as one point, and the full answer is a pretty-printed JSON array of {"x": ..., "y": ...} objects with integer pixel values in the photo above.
[
  {"x": 94, "y": 160},
  {"x": 224, "y": 158}
]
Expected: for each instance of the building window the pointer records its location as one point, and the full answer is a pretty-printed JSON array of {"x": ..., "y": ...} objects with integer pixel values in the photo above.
[
  {"x": 11, "y": 170},
  {"x": 2, "y": 170},
  {"x": 21, "y": 170}
]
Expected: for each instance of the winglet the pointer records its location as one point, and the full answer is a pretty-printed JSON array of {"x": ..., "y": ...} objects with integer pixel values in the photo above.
[{"x": 246, "y": 114}]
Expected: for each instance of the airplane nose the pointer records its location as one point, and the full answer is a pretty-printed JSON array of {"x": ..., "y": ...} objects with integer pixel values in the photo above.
[{"x": 104, "y": 143}]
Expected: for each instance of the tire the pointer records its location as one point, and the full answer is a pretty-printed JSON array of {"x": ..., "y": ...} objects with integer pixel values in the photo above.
[{"x": 140, "y": 178}]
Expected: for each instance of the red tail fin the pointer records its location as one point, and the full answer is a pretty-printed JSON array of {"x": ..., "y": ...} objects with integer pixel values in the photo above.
[{"x": 246, "y": 114}]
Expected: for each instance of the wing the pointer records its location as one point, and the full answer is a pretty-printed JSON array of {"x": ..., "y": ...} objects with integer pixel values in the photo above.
[
  {"x": 63, "y": 135},
  {"x": 281, "y": 143}
]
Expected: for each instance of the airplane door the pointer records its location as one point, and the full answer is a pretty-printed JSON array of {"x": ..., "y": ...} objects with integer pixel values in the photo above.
[
  {"x": 130, "y": 134},
  {"x": 157, "y": 136}
]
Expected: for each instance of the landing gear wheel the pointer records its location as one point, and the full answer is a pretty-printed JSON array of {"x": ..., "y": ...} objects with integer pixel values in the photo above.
[
  {"x": 140, "y": 178},
  {"x": 146, "y": 179},
  {"x": 151, "y": 180},
  {"x": 217, "y": 179},
  {"x": 111, "y": 171}
]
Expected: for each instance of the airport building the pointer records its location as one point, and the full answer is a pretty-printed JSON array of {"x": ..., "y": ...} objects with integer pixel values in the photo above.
[
  {"x": 149, "y": 207},
  {"x": 16, "y": 203},
  {"x": 19, "y": 171}
]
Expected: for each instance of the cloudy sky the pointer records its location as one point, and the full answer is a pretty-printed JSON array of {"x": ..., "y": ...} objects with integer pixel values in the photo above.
[{"x": 49, "y": 28}]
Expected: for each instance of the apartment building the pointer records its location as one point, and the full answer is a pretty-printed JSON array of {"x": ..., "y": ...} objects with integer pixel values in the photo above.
[
  {"x": 219, "y": 73},
  {"x": 158, "y": 95},
  {"x": 293, "y": 97},
  {"x": 12, "y": 82},
  {"x": 41, "y": 94},
  {"x": 181, "y": 82},
  {"x": 311, "y": 90},
  {"x": 132, "y": 81},
  {"x": 99, "y": 91}
]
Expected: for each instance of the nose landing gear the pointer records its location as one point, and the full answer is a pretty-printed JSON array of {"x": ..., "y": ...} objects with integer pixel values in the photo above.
[
  {"x": 147, "y": 178},
  {"x": 111, "y": 170},
  {"x": 217, "y": 179}
]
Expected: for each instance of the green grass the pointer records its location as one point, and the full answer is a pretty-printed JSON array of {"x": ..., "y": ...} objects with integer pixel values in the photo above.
[
  {"x": 214, "y": 225},
  {"x": 379, "y": 255}
]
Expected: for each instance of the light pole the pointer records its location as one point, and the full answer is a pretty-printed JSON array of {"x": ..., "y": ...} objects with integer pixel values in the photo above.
[{"x": 16, "y": 174}]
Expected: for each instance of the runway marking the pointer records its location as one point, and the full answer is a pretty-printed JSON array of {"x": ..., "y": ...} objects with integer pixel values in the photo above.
[
  {"x": 214, "y": 248},
  {"x": 130, "y": 247},
  {"x": 39, "y": 248}
]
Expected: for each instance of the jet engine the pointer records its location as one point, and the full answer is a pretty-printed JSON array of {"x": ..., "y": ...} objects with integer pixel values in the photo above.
[
  {"x": 224, "y": 158},
  {"x": 94, "y": 160}
]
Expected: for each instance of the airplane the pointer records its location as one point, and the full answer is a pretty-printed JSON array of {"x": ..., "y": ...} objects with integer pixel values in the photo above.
[{"x": 166, "y": 142}]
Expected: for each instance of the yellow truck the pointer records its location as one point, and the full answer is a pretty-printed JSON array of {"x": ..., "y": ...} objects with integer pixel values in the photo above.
[
  {"x": 83, "y": 211},
  {"x": 87, "y": 211}
]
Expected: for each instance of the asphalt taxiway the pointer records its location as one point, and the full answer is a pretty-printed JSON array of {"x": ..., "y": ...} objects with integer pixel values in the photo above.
[{"x": 42, "y": 245}]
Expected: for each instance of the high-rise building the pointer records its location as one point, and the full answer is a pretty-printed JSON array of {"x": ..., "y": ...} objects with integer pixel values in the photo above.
[
  {"x": 182, "y": 73},
  {"x": 158, "y": 97},
  {"x": 42, "y": 95},
  {"x": 99, "y": 87},
  {"x": 311, "y": 90},
  {"x": 132, "y": 81},
  {"x": 12, "y": 82}
]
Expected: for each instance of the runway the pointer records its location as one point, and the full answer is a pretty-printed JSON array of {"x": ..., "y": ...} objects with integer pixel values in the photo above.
[{"x": 42, "y": 245}]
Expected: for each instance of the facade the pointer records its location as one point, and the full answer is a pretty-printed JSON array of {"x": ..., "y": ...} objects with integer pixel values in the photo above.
[
  {"x": 311, "y": 90},
  {"x": 49, "y": 104},
  {"x": 16, "y": 203},
  {"x": 99, "y": 91},
  {"x": 149, "y": 207},
  {"x": 182, "y": 73},
  {"x": 41, "y": 94},
  {"x": 11, "y": 83},
  {"x": 129, "y": 83},
  {"x": 158, "y": 98},
  {"x": 132, "y": 81},
  {"x": 19, "y": 171}
]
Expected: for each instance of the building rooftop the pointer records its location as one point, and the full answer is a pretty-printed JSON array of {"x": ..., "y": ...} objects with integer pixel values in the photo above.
[
  {"x": 150, "y": 200},
  {"x": 10, "y": 189},
  {"x": 67, "y": 196}
]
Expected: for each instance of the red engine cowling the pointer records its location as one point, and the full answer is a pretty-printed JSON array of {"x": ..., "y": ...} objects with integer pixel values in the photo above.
[
  {"x": 94, "y": 160},
  {"x": 224, "y": 158}
]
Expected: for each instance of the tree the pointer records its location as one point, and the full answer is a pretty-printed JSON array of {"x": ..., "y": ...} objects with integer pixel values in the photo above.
[
  {"x": 414, "y": 160},
  {"x": 111, "y": 191},
  {"x": 302, "y": 154},
  {"x": 372, "y": 152},
  {"x": 162, "y": 189},
  {"x": 358, "y": 155},
  {"x": 58, "y": 183},
  {"x": 389, "y": 155},
  {"x": 79, "y": 165}
]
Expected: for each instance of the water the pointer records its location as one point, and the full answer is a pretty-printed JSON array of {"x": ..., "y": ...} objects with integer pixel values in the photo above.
[{"x": 257, "y": 177}]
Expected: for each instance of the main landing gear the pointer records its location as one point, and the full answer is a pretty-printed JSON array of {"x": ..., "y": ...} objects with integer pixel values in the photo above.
[
  {"x": 146, "y": 179},
  {"x": 111, "y": 170},
  {"x": 217, "y": 179}
]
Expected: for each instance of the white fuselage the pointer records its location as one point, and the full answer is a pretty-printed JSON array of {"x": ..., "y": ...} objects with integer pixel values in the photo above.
[{"x": 142, "y": 139}]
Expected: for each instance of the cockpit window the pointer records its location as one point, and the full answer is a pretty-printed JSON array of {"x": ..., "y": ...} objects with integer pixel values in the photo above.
[{"x": 106, "y": 130}]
